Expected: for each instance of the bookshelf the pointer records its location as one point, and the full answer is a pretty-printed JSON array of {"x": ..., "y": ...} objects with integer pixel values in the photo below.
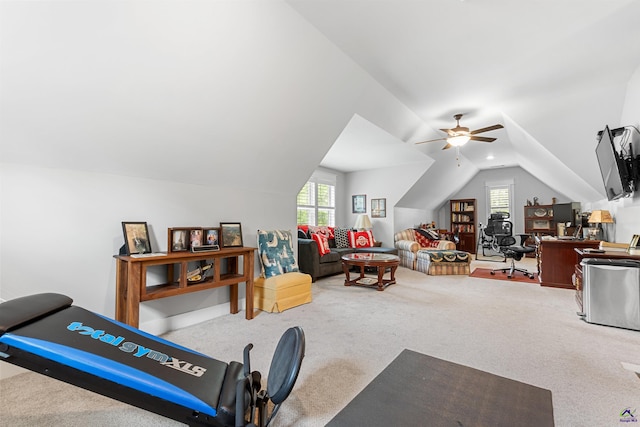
[{"x": 464, "y": 223}]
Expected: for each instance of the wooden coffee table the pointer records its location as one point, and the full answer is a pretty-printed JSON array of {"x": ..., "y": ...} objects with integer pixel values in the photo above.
[{"x": 365, "y": 259}]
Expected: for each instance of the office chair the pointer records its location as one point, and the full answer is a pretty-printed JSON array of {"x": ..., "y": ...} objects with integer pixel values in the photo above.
[
  {"x": 507, "y": 246},
  {"x": 491, "y": 234}
]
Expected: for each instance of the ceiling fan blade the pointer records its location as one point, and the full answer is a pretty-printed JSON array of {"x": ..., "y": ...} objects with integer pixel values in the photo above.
[
  {"x": 447, "y": 146},
  {"x": 431, "y": 140},
  {"x": 487, "y": 129},
  {"x": 482, "y": 139},
  {"x": 449, "y": 132}
]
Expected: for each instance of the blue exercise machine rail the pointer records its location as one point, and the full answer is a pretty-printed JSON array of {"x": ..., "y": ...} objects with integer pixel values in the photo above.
[{"x": 46, "y": 334}]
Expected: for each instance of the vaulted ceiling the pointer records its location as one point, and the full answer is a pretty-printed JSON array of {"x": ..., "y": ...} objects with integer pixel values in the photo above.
[
  {"x": 198, "y": 91},
  {"x": 552, "y": 72}
]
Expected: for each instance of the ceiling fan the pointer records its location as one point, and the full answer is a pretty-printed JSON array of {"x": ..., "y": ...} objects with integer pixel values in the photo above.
[{"x": 459, "y": 135}]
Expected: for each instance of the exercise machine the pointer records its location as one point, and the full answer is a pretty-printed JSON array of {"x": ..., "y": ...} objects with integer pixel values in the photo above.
[{"x": 45, "y": 333}]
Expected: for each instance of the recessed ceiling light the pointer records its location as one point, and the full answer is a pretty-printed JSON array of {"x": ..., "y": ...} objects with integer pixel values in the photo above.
[{"x": 490, "y": 157}]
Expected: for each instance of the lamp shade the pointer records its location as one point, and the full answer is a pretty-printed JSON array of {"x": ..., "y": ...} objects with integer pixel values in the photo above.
[
  {"x": 600, "y": 217},
  {"x": 363, "y": 222}
]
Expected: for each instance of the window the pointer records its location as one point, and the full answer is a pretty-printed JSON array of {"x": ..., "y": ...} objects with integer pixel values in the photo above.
[
  {"x": 499, "y": 197},
  {"x": 317, "y": 201}
]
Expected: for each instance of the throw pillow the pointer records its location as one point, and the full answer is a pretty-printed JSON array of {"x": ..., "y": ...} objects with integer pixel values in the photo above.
[
  {"x": 360, "y": 239},
  {"x": 320, "y": 229},
  {"x": 342, "y": 237},
  {"x": 275, "y": 249},
  {"x": 323, "y": 243}
]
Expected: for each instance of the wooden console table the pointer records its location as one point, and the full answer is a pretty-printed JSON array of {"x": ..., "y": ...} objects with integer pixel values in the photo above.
[
  {"x": 557, "y": 260},
  {"x": 131, "y": 279}
]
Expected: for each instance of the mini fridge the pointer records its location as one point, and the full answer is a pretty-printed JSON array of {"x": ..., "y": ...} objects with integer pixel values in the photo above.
[{"x": 611, "y": 292}]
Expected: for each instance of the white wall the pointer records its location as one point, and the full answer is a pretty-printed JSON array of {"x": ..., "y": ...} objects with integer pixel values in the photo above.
[
  {"x": 61, "y": 228},
  {"x": 526, "y": 187},
  {"x": 626, "y": 212},
  {"x": 387, "y": 183}
]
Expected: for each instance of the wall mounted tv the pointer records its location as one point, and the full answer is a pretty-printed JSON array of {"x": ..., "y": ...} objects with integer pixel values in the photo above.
[{"x": 613, "y": 168}]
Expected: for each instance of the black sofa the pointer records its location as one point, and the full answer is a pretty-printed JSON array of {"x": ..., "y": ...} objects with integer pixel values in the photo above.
[{"x": 310, "y": 261}]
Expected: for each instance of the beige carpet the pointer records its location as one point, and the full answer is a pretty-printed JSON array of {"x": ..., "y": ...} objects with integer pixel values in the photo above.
[{"x": 526, "y": 333}]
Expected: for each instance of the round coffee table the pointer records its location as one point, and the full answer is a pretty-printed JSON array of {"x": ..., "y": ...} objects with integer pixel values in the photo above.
[{"x": 365, "y": 259}]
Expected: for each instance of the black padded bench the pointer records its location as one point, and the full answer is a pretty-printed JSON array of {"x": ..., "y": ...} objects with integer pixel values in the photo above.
[{"x": 45, "y": 333}]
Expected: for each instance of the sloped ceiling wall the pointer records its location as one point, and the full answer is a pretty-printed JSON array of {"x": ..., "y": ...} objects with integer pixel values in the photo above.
[{"x": 185, "y": 91}]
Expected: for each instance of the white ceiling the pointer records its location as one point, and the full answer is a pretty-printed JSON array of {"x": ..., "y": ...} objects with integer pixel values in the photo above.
[
  {"x": 553, "y": 70},
  {"x": 164, "y": 89}
]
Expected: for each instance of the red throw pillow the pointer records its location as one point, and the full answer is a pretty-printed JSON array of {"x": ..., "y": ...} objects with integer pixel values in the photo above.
[
  {"x": 323, "y": 243},
  {"x": 360, "y": 239},
  {"x": 304, "y": 228},
  {"x": 322, "y": 229}
]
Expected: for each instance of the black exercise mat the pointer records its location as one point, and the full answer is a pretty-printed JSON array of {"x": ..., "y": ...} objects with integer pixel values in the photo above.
[{"x": 420, "y": 390}]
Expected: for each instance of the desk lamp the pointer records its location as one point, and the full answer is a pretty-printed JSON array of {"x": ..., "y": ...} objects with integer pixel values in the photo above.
[{"x": 600, "y": 217}]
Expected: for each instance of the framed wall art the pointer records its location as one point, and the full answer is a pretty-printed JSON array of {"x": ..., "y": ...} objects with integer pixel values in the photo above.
[
  {"x": 212, "y": 236},
  {"x": 378, "y": 208},
  {"x": 136, "y": 237},
  {"x": 231, "y": 234},
  {"x": 178, "y": 239},
  {"x": 359, "y": 204},
  {"x": 196, "y": 238}
]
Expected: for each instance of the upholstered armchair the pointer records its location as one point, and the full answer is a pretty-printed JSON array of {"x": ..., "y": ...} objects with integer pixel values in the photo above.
[
  {"x": 410, "y": 241},
  {"x": 281, "y": 285}
]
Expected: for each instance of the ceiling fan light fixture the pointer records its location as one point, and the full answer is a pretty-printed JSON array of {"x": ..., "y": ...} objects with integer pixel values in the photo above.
[{"x": 458, "y": 140}]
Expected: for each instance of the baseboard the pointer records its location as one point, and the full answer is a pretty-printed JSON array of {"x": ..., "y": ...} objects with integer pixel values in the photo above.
[
  {"x": 155, "y": 327},
  {"x": 179, "y": 321}
]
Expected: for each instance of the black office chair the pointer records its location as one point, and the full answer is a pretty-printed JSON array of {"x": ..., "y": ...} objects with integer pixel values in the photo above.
[
  {"x": 491, "y": 234},
  {"x": 507, "y": 245}
]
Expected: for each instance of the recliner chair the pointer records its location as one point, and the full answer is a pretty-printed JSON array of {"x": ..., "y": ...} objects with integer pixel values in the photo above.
[{"x": 507, "y": 246}]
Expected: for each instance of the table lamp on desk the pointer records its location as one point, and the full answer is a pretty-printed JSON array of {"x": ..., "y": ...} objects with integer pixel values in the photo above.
[{"x": 599, "y": 217}]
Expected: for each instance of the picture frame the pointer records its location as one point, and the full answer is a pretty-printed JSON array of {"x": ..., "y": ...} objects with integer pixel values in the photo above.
[
  {"x": 378, "y": 208},
  {"x": 359, "y": 204},
  {"x": 136, "y": 237},
  {"x": 541, "y": 224},
  {"x": 231, "y": 234},
  {"x": 196, "y": 238},
  {"x": 211, "y": 236},
  {"x": 178, "y": 239}
]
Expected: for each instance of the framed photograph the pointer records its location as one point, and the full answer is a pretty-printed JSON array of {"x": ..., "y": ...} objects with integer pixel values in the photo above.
[
  {"x": 178, "y": 239},
  {"x": 359, "y": 204},
  {"x": 541, "y": 225},
  {"x": 230, "y": 234},
  {"x": 136, "y": 237},
  {"x": 212, "y": 236},
  {"x": 378, "y": 208},
  {"x": 196, "y": 238}
]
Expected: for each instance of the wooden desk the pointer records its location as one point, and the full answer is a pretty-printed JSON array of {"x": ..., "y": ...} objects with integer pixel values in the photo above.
[
  {"x": 557, "y": 260},
  {"x": 577, "y": 277},
  {"x": 131, "y": 279}
]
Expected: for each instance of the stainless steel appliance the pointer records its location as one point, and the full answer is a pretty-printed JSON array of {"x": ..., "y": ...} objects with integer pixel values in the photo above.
[{"x": 611, "y": 290}]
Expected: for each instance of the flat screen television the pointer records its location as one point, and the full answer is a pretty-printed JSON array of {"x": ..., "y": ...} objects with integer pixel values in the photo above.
[{"x": 612, "y": 167}]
